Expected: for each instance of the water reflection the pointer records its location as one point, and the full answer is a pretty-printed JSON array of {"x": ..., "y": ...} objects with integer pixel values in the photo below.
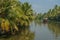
[
  {"x": 52, "y": 26},
  {"x": 38, "y": 31},
  {"x": 55, "y": 28},
  {"x": 46, "y": 31},
  {"x": 26, "y": 34}
]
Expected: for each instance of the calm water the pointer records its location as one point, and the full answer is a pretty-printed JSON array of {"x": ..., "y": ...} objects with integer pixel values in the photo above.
[
  {"x": 46, "y": 31},
  {"x": 38, "y": 31}
]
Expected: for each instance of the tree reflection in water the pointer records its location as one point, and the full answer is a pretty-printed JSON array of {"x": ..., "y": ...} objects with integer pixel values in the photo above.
[
  {"x": 55, "y": 27},
  {"x": 25, "y": 34}
]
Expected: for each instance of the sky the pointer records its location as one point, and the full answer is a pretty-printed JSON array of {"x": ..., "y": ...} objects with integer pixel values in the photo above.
[{"x": 41, "y": 6}]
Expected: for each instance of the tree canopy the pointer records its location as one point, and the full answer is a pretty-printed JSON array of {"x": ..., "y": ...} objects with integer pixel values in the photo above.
[{"x": 14, "y": 14}]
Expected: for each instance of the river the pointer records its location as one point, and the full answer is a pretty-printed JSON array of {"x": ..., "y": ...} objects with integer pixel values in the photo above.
[{"x": 38, "y": 31}]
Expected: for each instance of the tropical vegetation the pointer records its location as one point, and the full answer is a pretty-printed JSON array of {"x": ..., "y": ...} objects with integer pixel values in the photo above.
[
  {"x": 52, "y": 14},
  {"x": 14, "y": 16}
]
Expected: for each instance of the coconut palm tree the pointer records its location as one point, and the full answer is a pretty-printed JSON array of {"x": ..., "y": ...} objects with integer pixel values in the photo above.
[{"x": 27, "y": 9}]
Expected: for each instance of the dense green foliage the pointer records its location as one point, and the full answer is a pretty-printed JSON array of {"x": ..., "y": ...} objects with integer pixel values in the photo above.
[
  {"x": 14, "y": 15},
  {"x": 52, "y": 14},
  {"x": 39, "y": 16}
]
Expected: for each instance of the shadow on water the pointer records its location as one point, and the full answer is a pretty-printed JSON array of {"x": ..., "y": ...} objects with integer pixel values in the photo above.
[{"x": 25, "y": 34}]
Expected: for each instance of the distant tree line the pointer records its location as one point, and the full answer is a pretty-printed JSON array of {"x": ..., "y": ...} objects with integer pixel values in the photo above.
[{"x": 52, "y": 14}]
